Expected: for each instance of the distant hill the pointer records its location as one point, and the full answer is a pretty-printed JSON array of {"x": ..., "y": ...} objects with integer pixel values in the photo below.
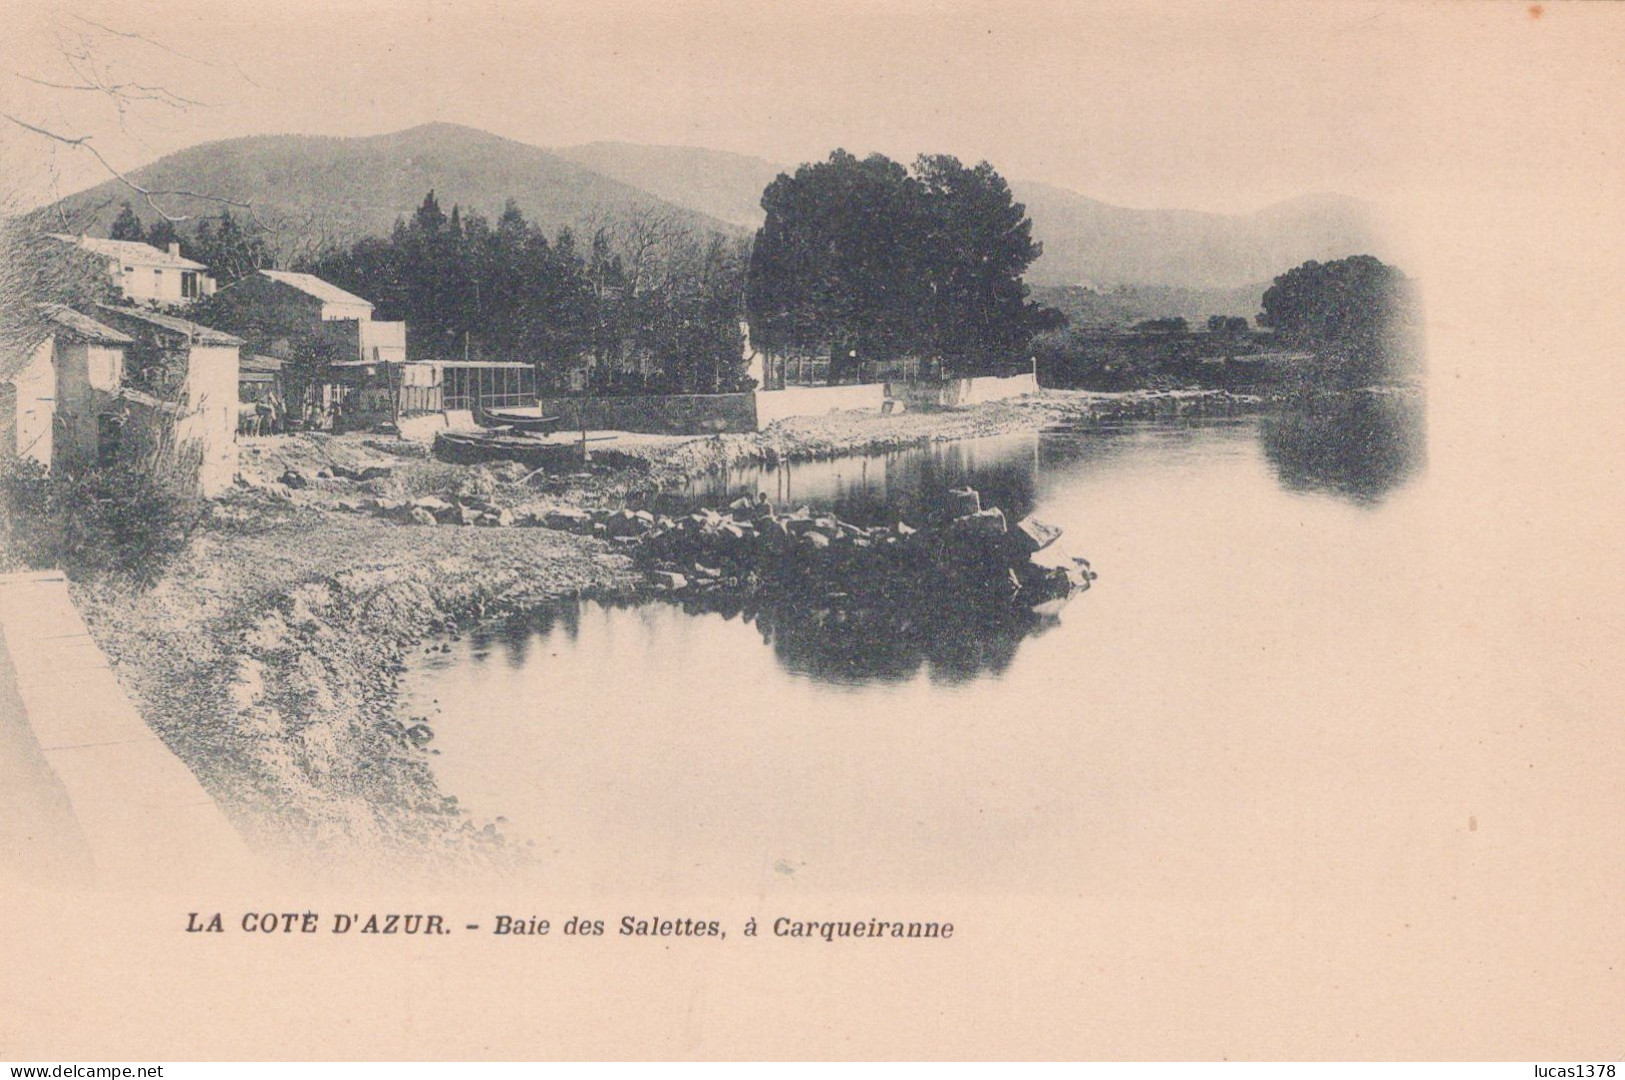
[
  {"x": 1086, "y": 241},
  {"x": 1093, "y": 243},
  {"x": 1124, "y": 305},
  {"x": 336, "y": 189},
  {"x": 344, "y": 188},
  {"x": 722, "y": 185}
]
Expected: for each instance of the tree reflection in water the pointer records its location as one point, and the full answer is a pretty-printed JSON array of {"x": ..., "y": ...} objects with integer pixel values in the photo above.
[
  {"x": 890, "y": 643},
  {"x": 1360, "y": 445}
]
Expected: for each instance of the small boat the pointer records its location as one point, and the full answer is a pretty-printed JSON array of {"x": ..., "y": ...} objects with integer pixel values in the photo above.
[
  {"x": 497, "y": 419},
  {"x": 536, "y": 451}
]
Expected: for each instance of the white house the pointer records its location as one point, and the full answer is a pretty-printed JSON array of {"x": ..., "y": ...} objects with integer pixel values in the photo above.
[
  {"x": 143, "y": 273},
  {"x": 53, "y": 391},
  {"x": 191, "y": 371},
  {"x": 285, "y": 302}
]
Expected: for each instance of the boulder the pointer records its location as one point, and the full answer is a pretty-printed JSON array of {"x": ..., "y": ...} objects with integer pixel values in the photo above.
[
  {"x": 989, "y": 522},
  {"x": 568, "y": 519},
  {"x": 669, "y": 579},
  {"x": 431, "y": 504},
  {"x": 420, "y": 516},
  {"x": 626, "y": 523},
  {"x": 962, "y": 502},
  {"x": 293, "y": 478},
  {"x": 1031, "y": 535},
  {"x": 466, "y": 515}
]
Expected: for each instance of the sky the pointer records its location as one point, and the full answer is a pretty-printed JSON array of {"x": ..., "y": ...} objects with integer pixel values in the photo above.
[{"x": 1224, "y": 107}]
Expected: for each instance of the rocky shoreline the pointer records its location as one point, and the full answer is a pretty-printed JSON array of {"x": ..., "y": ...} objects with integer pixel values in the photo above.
[{"x": 269, "y": 659}]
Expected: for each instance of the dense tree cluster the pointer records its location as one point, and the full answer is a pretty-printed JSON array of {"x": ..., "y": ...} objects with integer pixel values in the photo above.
[
  {"x": 225, "y": 245},
  {"x": 661, "y": 314},
  {"x": 1359, "y": 311},
  {"x": 867, "y": 260},
  {"x": 649, "y": 305}
]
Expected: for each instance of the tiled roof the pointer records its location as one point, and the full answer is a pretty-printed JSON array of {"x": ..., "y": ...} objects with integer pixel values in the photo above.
[
  {"x": 259, "y": 362},
  {"x": 175, "y": 325},
  {"x": 83, "y": 326},
  {"x": 24, "y": 337},
  {"x": 133, "y": 252},
  {"x": 311, "y": 285}
]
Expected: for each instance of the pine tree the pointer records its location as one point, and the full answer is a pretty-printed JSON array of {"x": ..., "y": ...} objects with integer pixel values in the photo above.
[
  {"x": 127, "y": 226},
  {"x": 162, "y": 234}
]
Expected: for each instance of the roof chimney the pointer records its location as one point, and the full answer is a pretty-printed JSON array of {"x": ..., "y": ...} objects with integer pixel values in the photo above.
[{"x": 175, "y": 248}]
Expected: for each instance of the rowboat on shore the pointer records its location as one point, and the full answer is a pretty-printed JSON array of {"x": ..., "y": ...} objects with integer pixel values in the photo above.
[
  {"x": 533, "y": 450},
  {"x": 497, "y": 419}
]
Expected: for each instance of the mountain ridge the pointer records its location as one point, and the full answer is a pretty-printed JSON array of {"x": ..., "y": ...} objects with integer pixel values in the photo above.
[
  {"x": 338, "y": 188},
  {"x": 345, "y": 187}
]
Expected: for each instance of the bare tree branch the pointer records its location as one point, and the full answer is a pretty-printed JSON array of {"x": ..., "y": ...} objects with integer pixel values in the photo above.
[
  {"x": 150, "y": 195},
  {"x": 128, "y": 91},
  {"x": 144, "y": 39}
]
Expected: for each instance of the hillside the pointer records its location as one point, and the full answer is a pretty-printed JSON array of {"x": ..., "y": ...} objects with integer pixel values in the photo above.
[
  {"x": 714, "y": 182},
  {"x": 1093, "y": 243},
  {"x": 340, "y": 188},
  {"x": 320, "y": 189},
  {"x": 1125, "y": 305},
  {"x": 1086, "y": 241}
]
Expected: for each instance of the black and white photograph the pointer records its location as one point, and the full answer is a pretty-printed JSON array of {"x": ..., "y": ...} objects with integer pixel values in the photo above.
[{"x": 923, "y": 530}]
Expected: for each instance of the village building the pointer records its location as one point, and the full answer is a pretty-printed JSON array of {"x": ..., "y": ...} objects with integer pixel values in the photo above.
[
  {"x": 262, "y": 397},
  {"x": 259, "y": 377},
  {"x": 55, "y": 389},
  {"x": 365, "y": 394},
  {"x": 144, "y": 274},
  {"x": 181, "y": 379},
  {"x": 283, "y": 306}
]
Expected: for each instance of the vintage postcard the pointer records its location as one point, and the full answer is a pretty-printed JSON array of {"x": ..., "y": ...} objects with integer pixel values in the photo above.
[{"x": 700, "y": 530}]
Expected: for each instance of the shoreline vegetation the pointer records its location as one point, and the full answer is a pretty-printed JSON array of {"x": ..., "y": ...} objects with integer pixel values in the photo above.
[{"x": 269, "y": 656}]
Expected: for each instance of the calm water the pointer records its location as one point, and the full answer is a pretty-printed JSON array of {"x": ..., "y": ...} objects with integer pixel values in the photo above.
[{"x": 1252, "y": 590}]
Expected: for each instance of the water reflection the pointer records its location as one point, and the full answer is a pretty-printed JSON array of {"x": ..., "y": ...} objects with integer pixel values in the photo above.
[
  {"x": 882, "y": 489},
  {"x": 688, "y": 747},
  {"x": 1360, "y": 446},
  {"x": 890, "y": 640}
]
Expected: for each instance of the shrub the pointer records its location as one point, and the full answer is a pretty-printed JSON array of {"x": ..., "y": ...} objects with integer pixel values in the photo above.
[{"x": 127, "y": 519}]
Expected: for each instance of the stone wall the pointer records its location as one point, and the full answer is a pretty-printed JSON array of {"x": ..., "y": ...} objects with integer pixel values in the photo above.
[{"x": 668, "y": 414}]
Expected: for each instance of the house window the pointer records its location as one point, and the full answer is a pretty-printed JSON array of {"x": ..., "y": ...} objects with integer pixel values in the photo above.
[{"x": 189, "y": 284}]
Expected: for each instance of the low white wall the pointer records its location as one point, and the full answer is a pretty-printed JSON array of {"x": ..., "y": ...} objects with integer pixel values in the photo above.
[
  {"x": 956, "y": 393},
  {"x": 775, "y": 405}
]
